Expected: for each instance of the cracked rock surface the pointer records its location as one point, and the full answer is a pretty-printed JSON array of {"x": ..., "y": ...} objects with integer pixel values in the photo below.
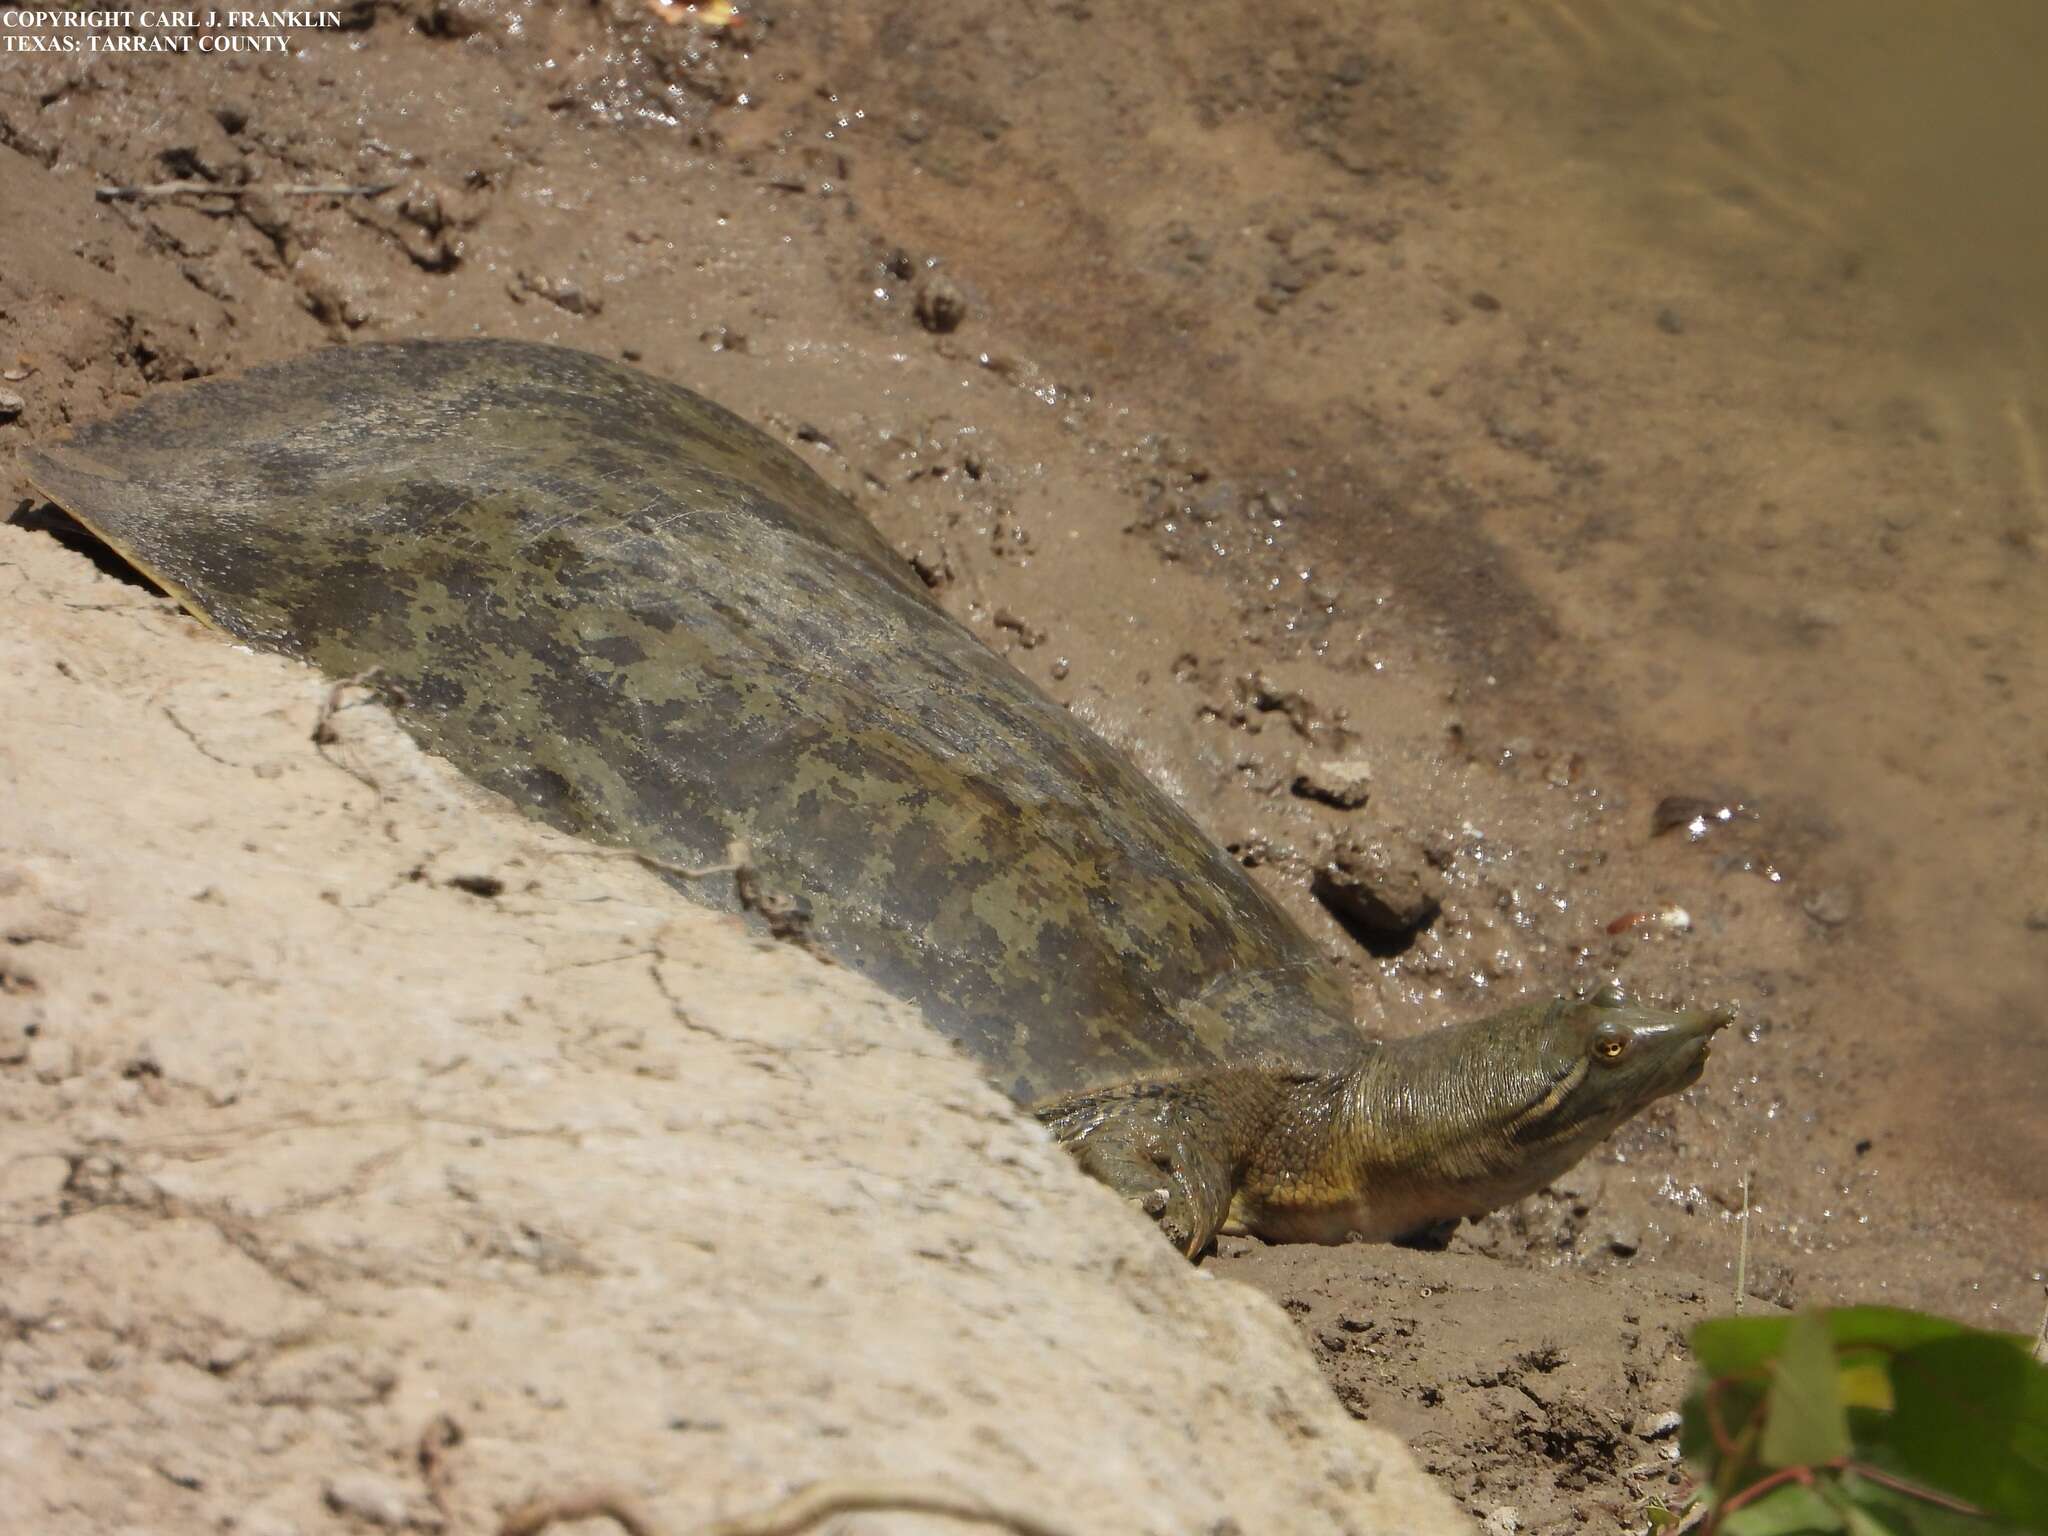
[{"x": 337, "y": 1196}]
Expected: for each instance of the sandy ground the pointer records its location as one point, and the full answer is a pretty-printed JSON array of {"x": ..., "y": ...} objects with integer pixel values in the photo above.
[{"x": 1267, "y": 435}]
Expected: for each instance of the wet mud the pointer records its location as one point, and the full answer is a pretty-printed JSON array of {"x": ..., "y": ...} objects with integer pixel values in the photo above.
[{"x": 1258, "y": 380}]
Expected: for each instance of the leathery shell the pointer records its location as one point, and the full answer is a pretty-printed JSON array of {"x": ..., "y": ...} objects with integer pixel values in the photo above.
[{"x": 645, "y": 622}]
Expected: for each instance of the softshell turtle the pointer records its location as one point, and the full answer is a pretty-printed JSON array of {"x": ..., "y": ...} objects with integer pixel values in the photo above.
[{"x": 647, "y": 623}]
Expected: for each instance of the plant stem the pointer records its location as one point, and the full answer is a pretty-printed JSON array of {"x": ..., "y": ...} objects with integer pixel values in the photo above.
[{"x": 1742, "y": 1253}]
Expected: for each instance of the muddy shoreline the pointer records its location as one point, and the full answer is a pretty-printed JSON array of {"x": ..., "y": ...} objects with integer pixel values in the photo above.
[{"x": 1198, "y": 362}]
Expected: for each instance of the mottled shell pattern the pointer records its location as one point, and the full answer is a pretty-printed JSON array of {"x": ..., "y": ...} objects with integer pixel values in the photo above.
[{"x": 648, "y": 624}]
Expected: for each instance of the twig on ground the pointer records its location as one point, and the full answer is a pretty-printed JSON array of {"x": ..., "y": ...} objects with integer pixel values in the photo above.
[
  {"x": 737, "y": 858},
  {"x": 330, "y": 705},
  {"x": 535, "y": 1516},
  {"x": 158, "y": 191},
  {"x": 797, "y": 1513},
  {"x": 1742, "y": 1253},
  {"x": 324, "y": 734},
  {"x": 788, "y": 916}
]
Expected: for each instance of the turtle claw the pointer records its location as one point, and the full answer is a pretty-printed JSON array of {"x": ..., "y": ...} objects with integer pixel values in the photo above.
[{"x": 1154, "y": 1152}]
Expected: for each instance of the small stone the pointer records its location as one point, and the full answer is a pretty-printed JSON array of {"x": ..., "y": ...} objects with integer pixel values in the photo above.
[
  {"x": 1028, "y": 635},
  {"x": 1345, "y": 783},
  {"x": 1670, "y": 322},
  {"x": 1830, "y": 906},
  {"x": 1697, "y": 814},
  {"x": 1482, "y": 300},
  {"x": 940, "y": 306},
  {"x": 564, "y": 293},
  {"x": 11, "y": 405},
  {"x": 1624, "y": 1240},
  {"x": 367, "y": 1497},
  {"x": 2037, "y": 920},
  {"x": 1656, "y": 1426},
  {"x": 1504, "y": 1520},
  {"x": 1380, "y": 901}
]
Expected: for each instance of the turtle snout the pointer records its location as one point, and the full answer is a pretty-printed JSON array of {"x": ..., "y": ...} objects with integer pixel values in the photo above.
[{"x": 1695, "y": 1033}]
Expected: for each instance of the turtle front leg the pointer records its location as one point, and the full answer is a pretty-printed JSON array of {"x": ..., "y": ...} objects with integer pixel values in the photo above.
[{"x": 1161, "y": 1147}]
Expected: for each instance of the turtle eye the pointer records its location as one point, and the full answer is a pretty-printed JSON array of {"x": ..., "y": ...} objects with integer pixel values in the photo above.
[{"x": 1610, "y": 1042}]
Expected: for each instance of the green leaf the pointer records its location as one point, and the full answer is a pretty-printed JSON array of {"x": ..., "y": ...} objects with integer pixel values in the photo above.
[
  {"x": 1805, "y": 1423},
  {"x": 1739, "y": 1346},
  {"x": 1889, "y": 1328},
  {"x": 1733, "y": 1354},
  {"x": 1729, "y": 1463},
  {"x": 1890, "y": 1512},
  {"x": 1792, "y": 1510},
  {"x": 1736, "y": 1346},
  {"x": 1859, "y": 1521},
  {"x": 1663, "y": 1517},
  {"x": 1971, "y": 1419},
  {"x": 1866, "y": 1383},
  {"x": 1947, "y": 1420}
]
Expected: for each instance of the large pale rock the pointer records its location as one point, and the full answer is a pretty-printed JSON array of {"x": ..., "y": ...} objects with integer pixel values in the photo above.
[{"x": 310, "y": 1151}]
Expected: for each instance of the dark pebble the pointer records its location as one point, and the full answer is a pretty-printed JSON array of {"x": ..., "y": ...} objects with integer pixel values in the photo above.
[{"x": 940, "y": 305}]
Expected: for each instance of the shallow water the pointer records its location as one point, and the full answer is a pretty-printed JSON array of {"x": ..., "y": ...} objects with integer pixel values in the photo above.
[
  {"x": 1650, "y": 385},
  {"x": 1829, "y": 597},
  {"x": 1895, "y": 141}
]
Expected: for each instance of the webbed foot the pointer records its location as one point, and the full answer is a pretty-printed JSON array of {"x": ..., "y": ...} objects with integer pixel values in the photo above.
[{"x": 1159, "y": 1151}]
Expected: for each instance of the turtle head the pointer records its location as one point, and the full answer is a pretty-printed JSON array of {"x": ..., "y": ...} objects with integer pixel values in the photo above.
[
  {"x": 1466, "y": 1119},
  {"x": 1563, "y": 1076}
]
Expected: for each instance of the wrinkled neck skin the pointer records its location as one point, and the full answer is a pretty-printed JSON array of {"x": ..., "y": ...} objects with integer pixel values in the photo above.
[{"x": 1423, "y": 1131}]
